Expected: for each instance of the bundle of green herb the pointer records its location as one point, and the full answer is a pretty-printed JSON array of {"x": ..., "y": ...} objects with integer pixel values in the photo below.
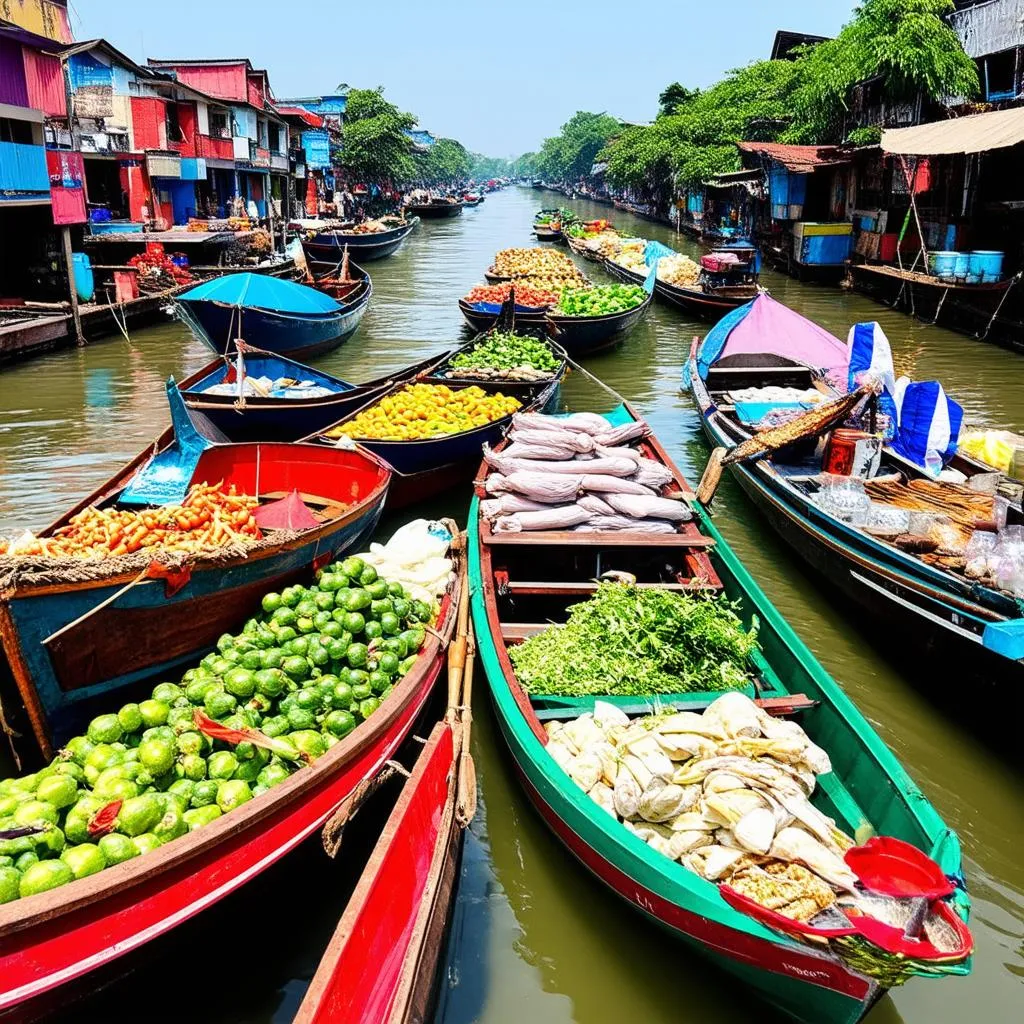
[{"x": 630, "y": 641}]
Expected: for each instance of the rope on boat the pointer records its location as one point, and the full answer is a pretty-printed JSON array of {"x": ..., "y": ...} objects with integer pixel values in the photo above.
[{"x": 1016, "y": 278}]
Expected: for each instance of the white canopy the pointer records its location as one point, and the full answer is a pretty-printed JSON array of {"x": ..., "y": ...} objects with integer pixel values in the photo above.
[{"x": 975, "y": 133}]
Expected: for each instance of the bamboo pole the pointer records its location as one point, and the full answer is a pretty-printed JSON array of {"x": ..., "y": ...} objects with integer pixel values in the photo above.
[{"x": 72, "y": 288}]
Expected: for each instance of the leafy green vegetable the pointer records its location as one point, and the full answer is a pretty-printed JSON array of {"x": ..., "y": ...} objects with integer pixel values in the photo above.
[
  {"x": 631, "y": 641},
  {"x": 506, "y": 351},
  {"x": 610, "y": 298}
]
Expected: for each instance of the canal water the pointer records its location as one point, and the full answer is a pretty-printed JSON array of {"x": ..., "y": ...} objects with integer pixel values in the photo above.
[{"x": 534, "y": 939}]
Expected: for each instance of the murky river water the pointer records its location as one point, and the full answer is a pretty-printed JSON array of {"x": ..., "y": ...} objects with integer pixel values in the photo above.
[{"x": 536, "y": 939}]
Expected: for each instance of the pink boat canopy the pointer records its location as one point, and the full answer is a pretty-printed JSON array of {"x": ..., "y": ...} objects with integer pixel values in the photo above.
[{"x": 767, "y": 326}]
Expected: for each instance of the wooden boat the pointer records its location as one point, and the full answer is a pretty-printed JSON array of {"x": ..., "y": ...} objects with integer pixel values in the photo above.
[
  {"x": 931, "y": 608},
  {"x": 435, "y": 209},
  {"x": 526, "y": 391},
  {"x": 272, "y": 418},
  {"x": 709, "y": 304},
  {"x": 706, "y": 302},
  {"x": 423, "y": 468},
  {"x": 80, "y": 635},
  {"x": 277, "y": 316},
  {"x": 483, "y": 319},
  {"x": 547, "y": 233},
  {"x": 327, "y": 247},
  {"x": 588, "y": 335},
  {"x": 382, "y": 962},
  {"x": 521, "y": 581},
  {"x": 47, "y": 942},
  {"x": 491, "y": 276},
  {"x": 472, "y": 200}
]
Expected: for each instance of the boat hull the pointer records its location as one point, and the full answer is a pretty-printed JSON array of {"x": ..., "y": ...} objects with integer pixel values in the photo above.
[
  {"x": 436, "y": 210},
  {"x": 584, "y": 336},
  {"x": 148, "y": 629},
  {"x": 703, "y": 304},
  {"x": 328, "y": 248},
  {"x": 63, "y": 940},
  {"x": 806, "y": 985},
  {"x": 291, "y": 336},
  {"x": 482, "y": 320},
  {"x": 382, "y": 961}
]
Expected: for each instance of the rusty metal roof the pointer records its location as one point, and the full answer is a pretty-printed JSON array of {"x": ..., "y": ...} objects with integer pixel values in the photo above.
[{"x": 799, "y": 159}]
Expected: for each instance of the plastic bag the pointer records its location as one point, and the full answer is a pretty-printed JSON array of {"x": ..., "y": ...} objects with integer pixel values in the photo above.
[{"x": 415, "y": 542}]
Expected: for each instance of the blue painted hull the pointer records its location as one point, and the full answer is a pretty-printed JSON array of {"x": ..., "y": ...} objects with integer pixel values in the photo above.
[
  {"x": 328, "y": 248},
  {"x": 294, "y": 336}
]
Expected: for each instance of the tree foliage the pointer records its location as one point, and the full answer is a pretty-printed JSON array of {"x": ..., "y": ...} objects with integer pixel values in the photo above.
[
  {"x": 374, "y": 144},
  {"x": 905, "y": 44},
  {"x": 674, "y": 96},
  {"x": 445, "y": 161},
  {"x": 570, "y": 154}
]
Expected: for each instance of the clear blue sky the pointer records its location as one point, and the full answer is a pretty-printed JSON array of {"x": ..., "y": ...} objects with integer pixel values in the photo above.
[{"x": 497, "y": 76}]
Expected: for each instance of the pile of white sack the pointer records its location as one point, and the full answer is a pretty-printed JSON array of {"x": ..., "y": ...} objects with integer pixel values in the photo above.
[
  {"x": 416, "y": 557},
  {"x": 577, "y": 473}
]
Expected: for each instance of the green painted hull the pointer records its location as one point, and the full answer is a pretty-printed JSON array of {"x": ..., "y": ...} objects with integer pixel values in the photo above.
[{"x": 867, "y": 785}]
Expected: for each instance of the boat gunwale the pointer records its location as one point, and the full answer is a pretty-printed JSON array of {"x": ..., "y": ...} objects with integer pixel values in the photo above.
[
  {"x": 33, "y": 910},
  {"x": 117, "y": 483}
]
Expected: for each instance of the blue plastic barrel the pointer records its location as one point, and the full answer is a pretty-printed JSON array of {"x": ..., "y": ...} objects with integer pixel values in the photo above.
[
  {"x": 962, "y": 266},
  {"x": 84, "y": 283},
  {"x": 944, "y": 265},
  {"x": 986, "y": 265}
]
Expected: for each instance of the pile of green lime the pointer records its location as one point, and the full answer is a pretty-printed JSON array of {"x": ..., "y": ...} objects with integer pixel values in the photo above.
[{"x": 304, "y": 673}]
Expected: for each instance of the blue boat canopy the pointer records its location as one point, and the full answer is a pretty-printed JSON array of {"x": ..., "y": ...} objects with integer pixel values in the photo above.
[{"x": 260, "y": 291}]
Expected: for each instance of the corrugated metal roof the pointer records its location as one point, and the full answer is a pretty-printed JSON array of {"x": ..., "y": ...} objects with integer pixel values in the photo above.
[
  {"x": 976, "y": 133},
  {"x": 313, "y": 120},
  {"x": 799, "y": 159}
]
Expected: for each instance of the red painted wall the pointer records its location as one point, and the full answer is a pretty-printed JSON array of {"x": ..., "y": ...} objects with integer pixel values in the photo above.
[
  {"x": 135, "y": 181},
  {"x": 225, "y": 81},
  {"x": 44, "y": 77},
  {"x": 187, "y": 120},
  {"x": 149, "y": 123}
]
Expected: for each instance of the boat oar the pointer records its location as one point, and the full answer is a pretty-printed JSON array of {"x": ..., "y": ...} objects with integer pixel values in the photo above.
[
  {"x": 466, "y": 807},
  {"x": 712, "y": 477},
  {"x": 457, "y": 650}
]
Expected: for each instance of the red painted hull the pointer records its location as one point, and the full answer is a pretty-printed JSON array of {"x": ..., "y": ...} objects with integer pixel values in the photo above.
[
  {"x": 719, "y": 940},
  {"x": 381, "y": 961},
  {"x": 50, "y": 940}
]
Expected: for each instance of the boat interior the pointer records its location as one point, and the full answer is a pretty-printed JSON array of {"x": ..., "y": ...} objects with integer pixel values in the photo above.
[{"x": 274, "y": 367}]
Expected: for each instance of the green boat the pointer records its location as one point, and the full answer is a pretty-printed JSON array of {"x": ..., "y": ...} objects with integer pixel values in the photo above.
[{"x": 522, "y": 581}]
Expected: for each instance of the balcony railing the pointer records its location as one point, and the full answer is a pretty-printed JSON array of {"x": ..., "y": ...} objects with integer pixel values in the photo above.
[
  {"x": 215, "y": 148},
  {"x": 23, "y": 169}
]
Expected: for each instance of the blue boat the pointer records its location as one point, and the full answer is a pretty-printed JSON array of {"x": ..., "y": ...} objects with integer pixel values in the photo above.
[
  {"x": 285, "y": 414},
  {"x": 80, "y": 639},
  {"x": 325, "y": 250},
  {"x": 967, "y": 627},
  {"x": 272, "y": 314}
]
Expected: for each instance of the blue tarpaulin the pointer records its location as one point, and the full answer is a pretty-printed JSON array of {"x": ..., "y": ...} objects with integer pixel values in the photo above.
[{"x": 260, "y": 291}]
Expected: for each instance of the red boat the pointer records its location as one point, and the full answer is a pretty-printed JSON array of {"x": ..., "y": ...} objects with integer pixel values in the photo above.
[
  {"x": 381, "y": 962},
  {"x": 48, "y": 941}
]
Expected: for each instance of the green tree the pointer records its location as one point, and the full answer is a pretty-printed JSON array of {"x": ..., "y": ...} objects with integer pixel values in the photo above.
[
  {"x": 445, "y": 161},
  {"x": 374, "y": 144},
  {"x": 906, "y": 43},
  {"x": 674, "y": 96},
  {"x": 570, "y": 154}
]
